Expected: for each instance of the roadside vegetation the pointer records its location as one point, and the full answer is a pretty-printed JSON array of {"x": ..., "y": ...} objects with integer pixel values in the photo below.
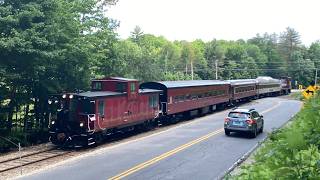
[
  {"x": 296, "y": 95},
  {"x": 46, "y": 45},
  {"x": 292, "y": 152}
]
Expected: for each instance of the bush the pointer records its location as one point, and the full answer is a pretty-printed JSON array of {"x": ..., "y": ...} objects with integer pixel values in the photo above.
[{"x": 25, "y": 139}]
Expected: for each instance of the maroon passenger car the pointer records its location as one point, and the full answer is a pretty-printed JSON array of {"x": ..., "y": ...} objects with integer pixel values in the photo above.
[
  {"x": 185, "y": 96},
  {"x": 243, "y": 89},
  {"x": 113, "y": 104}
]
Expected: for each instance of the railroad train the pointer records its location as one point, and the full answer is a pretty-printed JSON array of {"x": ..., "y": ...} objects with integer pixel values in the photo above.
[{"x": 120, "y": 104}]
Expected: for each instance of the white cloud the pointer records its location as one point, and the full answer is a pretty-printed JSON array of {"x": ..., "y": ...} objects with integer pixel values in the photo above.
[{"x": 221, "y": 19}]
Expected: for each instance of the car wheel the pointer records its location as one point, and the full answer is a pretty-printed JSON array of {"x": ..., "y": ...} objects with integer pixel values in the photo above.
[
  {"x": 261, "y": 129},
  {"x": 254, "y": 133},
  {"x": 227, "y": 132}
]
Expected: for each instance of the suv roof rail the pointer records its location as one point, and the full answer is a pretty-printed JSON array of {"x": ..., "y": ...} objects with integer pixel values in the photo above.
[{"x": 252, "y": 109}]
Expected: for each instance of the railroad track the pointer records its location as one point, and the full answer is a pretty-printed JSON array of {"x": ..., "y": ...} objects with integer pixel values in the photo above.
[{"x": 32, "y": 158}]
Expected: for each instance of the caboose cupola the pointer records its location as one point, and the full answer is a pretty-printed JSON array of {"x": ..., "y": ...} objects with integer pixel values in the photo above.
[{"x": 117, "y": 84}]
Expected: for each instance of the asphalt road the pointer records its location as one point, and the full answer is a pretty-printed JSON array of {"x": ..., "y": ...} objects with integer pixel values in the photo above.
[{"x": 194, "y": 150}]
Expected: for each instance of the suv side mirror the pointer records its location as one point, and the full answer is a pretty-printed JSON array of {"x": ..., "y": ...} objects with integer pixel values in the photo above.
[{"x": 261, "y": 116}]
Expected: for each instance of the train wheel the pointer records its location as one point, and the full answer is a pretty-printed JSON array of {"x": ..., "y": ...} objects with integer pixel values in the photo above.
[{"x": 98, "y": 138}]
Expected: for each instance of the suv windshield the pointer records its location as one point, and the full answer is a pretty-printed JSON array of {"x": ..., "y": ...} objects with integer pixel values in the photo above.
[{"x": 241, "y": 115}]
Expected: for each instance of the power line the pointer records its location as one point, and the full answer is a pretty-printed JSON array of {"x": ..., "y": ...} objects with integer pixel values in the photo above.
[
  {"x": 292, "y": 70},
  {"x": 245, "y": 69},
  {"x": 267, "y": 63}
]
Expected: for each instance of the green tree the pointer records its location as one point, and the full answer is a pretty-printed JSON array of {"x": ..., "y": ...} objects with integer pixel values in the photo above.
[
  {"x": 213, "y": 52},
  {"x": 136, "y": 34},
  {"x": 289, "y": 43},
  {"x": 274, "y": 63},
  {"x": 314, "y": 53},
  {"x": 45, "y": 45}
]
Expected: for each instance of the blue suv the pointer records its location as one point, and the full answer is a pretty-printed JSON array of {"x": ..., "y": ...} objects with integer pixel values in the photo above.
[{"x": 244, "y": 120}]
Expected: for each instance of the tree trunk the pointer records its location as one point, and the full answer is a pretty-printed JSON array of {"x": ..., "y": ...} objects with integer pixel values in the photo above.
[
  {"x": 26, "y": 117},
  {"x": 11, "y": 106},
  {"x": 10, "y": 115},
  {"x": 186, "y": 69},
  {"x": 191, "y": 64}
]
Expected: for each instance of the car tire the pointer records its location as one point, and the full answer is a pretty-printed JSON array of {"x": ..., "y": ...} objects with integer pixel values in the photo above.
[
  {"x": 227, "y": 132},
  {"x": 261, "y": 129},
  {"x": 254, "y": 133}
]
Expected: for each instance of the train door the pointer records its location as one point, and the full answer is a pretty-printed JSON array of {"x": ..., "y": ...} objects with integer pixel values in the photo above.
[
  {"x": 101, "y": 113},
  {"x": 133, "y": 103},
  {"x": 163, "y": 102}
]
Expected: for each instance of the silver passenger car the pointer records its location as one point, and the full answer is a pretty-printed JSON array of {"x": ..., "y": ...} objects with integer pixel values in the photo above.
[{"x": 268, "y": 86}]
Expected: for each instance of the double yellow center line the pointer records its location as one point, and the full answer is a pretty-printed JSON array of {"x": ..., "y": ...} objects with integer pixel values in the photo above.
[
  {"x": 164, "y": 155},
  {"x": 176, "y": 150}
]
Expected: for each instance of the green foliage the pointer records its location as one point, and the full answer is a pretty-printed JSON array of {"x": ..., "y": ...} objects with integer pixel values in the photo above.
[
  {"x": 293, "y": 152},
  {"x": 45, "y": 45}
]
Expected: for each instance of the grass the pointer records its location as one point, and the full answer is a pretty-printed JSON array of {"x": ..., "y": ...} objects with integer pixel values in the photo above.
[{"x": 296, "y": 95}]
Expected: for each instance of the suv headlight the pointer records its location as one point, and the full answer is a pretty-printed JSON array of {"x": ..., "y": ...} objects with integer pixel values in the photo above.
[
  {"x": 53, "y": 122},
  {"x": 81, "y": 124}
]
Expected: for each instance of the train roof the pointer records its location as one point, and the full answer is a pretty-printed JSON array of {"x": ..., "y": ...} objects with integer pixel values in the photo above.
[
  {"x": 267, "y": 80},
  {"x": 149, "y": 90},
  {"x": 115, "y": 78},
  {"x": 181, "y": 84},
  {"x": 242, "y": 81},
  {"x": 91, "y": 94}
]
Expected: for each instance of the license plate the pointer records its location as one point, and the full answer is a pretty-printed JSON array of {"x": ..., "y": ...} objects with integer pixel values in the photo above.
[{"x": 237, "y": 123}]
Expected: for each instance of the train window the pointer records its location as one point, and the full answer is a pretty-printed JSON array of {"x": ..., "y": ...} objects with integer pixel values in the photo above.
[
  {"x": 101, "y": 107},
  {"x": 244, "y": 89},
  {"x": 87, "y": 106},
  {"x": 132, "y": 87},
  {"x": 153, "y": 101},
  {"x": 121, "y": 87},
  {"x": 97, "y": 86},
  {"x": 194, "y": 96},
  {"x": 213, "y": 93},
  {"x": 188, "y": 97},
  {"x": 222, "y": 92},
  {"x": 176, "y": 99}
]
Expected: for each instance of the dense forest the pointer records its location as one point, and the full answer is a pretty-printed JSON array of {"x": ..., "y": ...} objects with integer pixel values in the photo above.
[{"x": 52, "y": 46}]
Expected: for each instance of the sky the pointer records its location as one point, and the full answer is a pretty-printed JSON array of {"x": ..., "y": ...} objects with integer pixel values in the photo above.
[{"x": 217, "y": 19}]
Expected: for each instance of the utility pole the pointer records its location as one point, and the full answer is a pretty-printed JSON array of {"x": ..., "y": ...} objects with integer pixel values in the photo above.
[
  {"x": 216, "y": 64},
  {"x": 315, "y": 78},
  {"x": 191, "y": 70},
  {"x": 165, "y": 63}
]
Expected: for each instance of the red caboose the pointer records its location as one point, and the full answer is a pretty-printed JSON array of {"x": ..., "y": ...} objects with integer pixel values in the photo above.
[{"x": 113, "y": 104}]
